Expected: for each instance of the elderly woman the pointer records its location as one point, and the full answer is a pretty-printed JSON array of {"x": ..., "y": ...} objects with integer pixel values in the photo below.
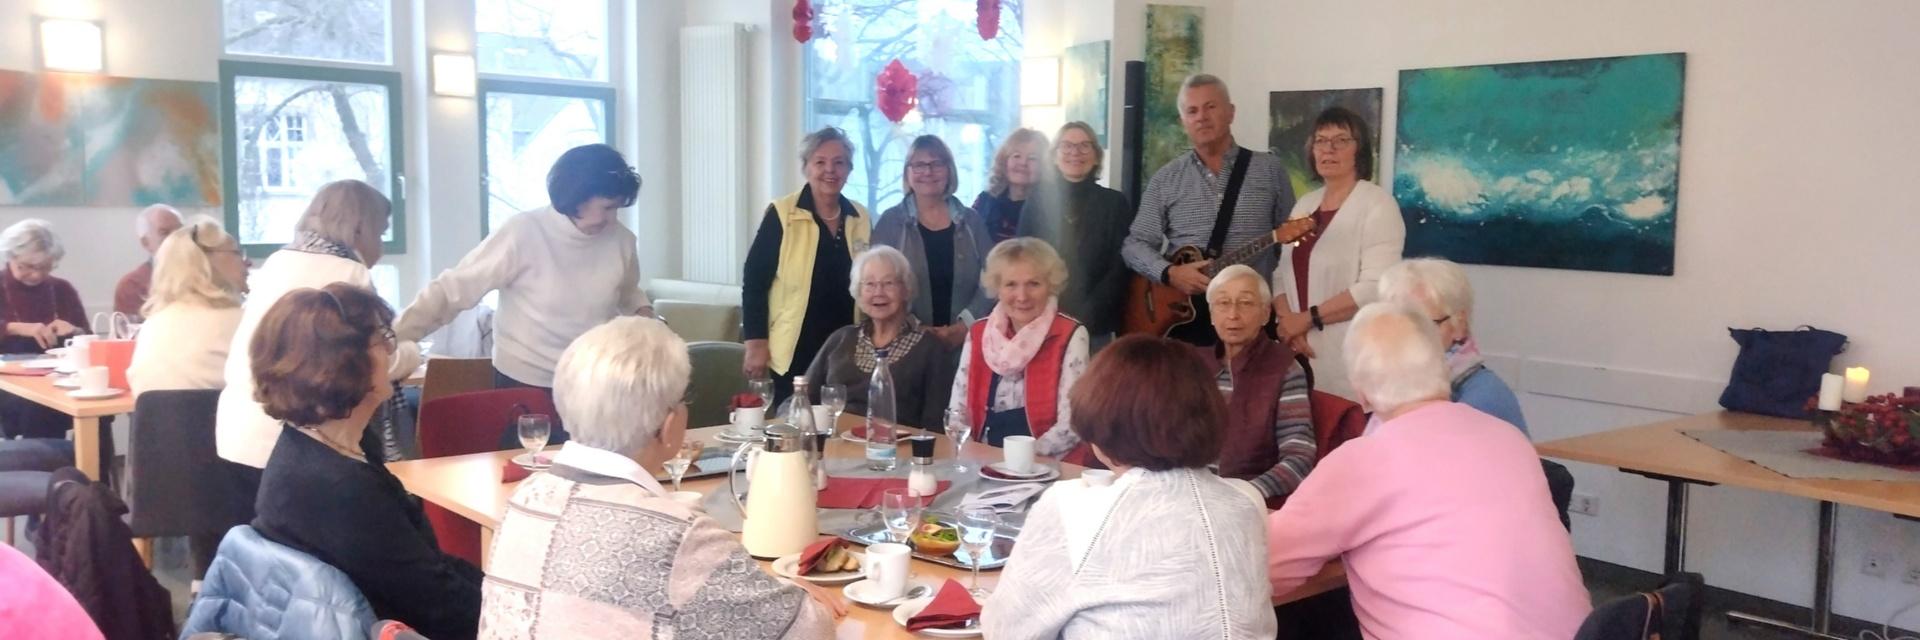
[
  {"x": 41, "y": 312},
  {"x": 560, "y": 269},
  {"x": 596, "y": 548},
  {"x": 795, "y": 285},
  {"x": 1089, "y": 223},
  {"x": 1441, "y": 514},
  {"x": 882, "y": 284},
  {"x": 192, "y": 310},
  {"x": 1164, "y": 550},
  {"x": 943, "y": 240},
  {"x": 1440, "y": 289},
  {"x": 1019, "y": 362},
  {"x": 1015, "y": 172},
  {"x": 1269, "y": 416},
  {"x": 338, "y": 240},
  {"x": 320, "y": 359},
  {"x": 1330, "y": 274}
]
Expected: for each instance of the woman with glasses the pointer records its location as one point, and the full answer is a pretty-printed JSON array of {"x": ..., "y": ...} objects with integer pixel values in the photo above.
[
  {"x": 1088, "y": 222},
  {"x": 192, "y": 310},
  {"x": 882, "y": 286},
  {"x": 1269, "y": 434},
  {"x": 1326, "y": 277},
  {"x": 945, "y": 242},
  {"x": 41, "y": 311}
]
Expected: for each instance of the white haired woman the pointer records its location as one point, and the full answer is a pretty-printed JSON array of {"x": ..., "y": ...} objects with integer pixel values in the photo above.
[
  {"x": 41, "y": 311},
  {"x": 1019, "y": 362},
  {"x": 1441, "y": 515},
  {"x": 338, "y": 240},
  {"x": 1015, "y": 172},
  {"x": 883, "y": 285},
  {"x": 1269, "y": 435},
  {"x": 192, "y": 310},
  {"x": 1440, "y": 289},
  {"x": 596, "y": 548}
]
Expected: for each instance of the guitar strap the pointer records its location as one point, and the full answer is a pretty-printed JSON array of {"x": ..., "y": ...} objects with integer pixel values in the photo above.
[{"x": 1224, "y": 220}]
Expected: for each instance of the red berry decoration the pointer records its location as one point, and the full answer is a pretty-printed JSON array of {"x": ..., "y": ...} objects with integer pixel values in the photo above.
[
  {"x": 988, "y": 15},
  {"x": 802, "y": 21},
  {"x": 896, "y": 91}
]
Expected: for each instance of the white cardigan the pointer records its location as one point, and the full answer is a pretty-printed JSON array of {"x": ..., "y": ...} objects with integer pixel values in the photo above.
[
  {"x": 1364, "y": 239},
  {"x": 183, "y": 346},
  {"x": 245, "y": 433}
]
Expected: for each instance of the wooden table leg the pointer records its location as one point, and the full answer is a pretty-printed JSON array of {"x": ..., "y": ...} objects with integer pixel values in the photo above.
[
  {"x": 86, "y": 446},
  {"x": 144, "y": 547}
]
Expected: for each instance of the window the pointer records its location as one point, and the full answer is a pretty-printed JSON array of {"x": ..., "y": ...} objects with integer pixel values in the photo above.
[
  {"x": 564, "y": 39},
  {"x": 338, "y": 30},
  {"x": 279, "y": 145},
  {"x": 969, "y": 87},
  {"x": 525, "y": 127}
]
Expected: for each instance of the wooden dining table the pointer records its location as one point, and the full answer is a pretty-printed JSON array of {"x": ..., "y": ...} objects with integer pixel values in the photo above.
[
  {"x": 86, "y": 414},
  {"x": 471, "y": 486}
]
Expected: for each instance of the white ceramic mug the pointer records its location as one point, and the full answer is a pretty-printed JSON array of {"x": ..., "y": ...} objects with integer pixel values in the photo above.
[
  {"x": 93, "y": 380},
  {"x": 79, "y": 351},
  {"x": 886, "y": 566},
  {"x": 1097, "y": 477},
  {"x": 691, "y": 499},
  {"x": 747, "y": 420},
  {"x": 1019, "y": 453}
]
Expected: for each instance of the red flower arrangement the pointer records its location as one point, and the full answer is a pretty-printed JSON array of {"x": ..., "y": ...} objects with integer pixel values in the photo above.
[
  {"x": 987, "y": 16},
  {"x": 1883, "y": 430},
  {"x": 896, "y": 91}
]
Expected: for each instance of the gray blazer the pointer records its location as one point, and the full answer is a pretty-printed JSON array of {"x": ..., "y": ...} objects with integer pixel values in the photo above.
[{"x": 898, "y": 227}]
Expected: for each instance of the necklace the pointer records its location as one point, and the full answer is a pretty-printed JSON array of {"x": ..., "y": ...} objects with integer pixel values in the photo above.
[{"x": 351, "y": 452}]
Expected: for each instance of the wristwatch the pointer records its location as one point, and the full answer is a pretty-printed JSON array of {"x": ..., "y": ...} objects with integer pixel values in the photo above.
[{"x": 1315, "y": 312}]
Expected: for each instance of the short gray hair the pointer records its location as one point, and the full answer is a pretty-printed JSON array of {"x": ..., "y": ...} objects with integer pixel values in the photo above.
[
  {"x": 143, "y": 225},
  {"x": 1442, "y": 283},
  {"x": 817, "y": 139},
  {"x": 30, "y": 237},
  {"x": 1394, "y": 357},
  {"x": 1235, "y": 272},
  {"x": 1026, "y": 248},
  {"x": 888, "y": 256},
  {"x": 615, "y": 386},
  {"x": 343, "y": 209},
  {"x": 1196, "y": 81}
]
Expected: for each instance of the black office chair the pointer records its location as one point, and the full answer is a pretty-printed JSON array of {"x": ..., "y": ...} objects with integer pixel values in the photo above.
[
  {"x": 1560, "y": 484},
  {"x": 177, "y": 484},
  {"x": 1671, "y": 612}
]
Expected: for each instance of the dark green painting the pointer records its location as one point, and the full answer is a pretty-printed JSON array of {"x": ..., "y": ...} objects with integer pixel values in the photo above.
[
  {"x": 1083, "y": 85},
  {"x": 1568, "y": 164},
  {"x": 1290, "y": 125},
  {"x": 1173, "y": 53}
]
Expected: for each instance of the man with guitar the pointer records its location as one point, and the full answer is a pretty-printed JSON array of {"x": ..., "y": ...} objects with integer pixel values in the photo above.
[{"x": 1220, "y": 204}]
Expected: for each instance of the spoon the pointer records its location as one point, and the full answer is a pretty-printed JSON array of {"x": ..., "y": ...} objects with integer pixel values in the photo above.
[{"x": 915, "y": 592}]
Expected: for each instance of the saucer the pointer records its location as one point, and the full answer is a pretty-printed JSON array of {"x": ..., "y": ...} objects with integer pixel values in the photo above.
[
  {"x": 528, "y": 461},
  {"x": 999, "y": 472},
  {"x": 102, "y": 394},
  {"x": 857, "y": 592}
]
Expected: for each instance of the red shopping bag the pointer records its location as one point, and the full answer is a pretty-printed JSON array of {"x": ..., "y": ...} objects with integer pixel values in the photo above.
[{"x": 115, "y": 355}]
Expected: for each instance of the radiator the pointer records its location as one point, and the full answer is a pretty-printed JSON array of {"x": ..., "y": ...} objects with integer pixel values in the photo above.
[{"x": 713, "y": 145}]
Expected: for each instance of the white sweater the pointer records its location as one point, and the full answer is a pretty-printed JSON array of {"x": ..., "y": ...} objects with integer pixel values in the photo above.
[
  {"x": 183, "y": 346},
  {"x": 1362, "y": 241},
  {"x": 555, "y": 283},
  {"x": 245, "y": 433}
]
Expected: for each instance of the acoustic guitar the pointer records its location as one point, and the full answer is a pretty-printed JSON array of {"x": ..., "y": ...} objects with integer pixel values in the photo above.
[{"x": 1157, "y": 308}]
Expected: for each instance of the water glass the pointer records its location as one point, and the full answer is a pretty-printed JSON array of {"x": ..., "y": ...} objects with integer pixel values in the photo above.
[
  {"x": 900, "y": 511},
  {"x": 682, "y": 459},
  {"x": 762, "y": 387},
  {"x": 534, "y": 430},
  {"x": 959, "y": 429},
  {"x": 978, "y": 525},
  {"x": 835, "y": 397}
]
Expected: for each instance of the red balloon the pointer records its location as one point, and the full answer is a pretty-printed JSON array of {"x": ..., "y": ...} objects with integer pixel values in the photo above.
[
  {"x": 802, "y": 21},
  {"x": 896, "y": 91}
]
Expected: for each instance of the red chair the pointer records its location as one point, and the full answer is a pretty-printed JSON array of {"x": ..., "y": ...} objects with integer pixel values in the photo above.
[
  {"x": 470, "y": 423},
  {"x": 1335, "y": 421}
]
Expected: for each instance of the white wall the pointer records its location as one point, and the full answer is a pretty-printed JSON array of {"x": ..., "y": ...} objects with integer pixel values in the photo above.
[{"x": 1795, "y": 144}]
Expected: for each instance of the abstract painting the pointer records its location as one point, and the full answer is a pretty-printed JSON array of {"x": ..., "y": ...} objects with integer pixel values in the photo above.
[
  {"x": 1173, "y": 53},
  {"x": 1567, "y": 164},
  {"x": 1291, "y": 115},
  {"x": 1083, "y": 85},
  {"x": 86, "y": 140}
]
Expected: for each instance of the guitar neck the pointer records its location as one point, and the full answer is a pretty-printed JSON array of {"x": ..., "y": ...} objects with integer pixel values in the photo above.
[{"x": 1244, "y": 254}]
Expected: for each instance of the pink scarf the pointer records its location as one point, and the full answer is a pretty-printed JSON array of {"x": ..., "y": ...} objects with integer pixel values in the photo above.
[
  {"x": 1008, "y": 356},
  {"x": 1463, "y": 359}
]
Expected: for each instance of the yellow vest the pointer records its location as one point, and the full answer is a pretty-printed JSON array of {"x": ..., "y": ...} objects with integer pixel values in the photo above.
[{"x": 793, "y": 281}]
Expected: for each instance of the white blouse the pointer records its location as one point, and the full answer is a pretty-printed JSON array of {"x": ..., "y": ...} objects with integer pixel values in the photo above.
[
  {"x": 183, "y": 346},
  {"x": 1363, "y": 240}
]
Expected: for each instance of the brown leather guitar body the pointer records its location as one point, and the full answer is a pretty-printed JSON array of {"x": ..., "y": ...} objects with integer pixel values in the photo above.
[{"x": 1157, "y": 308}]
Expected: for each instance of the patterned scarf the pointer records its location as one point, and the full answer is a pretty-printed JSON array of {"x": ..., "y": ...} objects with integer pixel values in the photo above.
[
  {"x": 1463, "y": 360},
  {"x": 1008, "y": 356},
  {"x": 310, "y": 242},
  {"x": 865, "y": 354}
]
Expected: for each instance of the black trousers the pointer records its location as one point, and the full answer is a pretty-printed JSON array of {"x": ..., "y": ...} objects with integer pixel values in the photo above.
[{"x": 23, "y": 418}]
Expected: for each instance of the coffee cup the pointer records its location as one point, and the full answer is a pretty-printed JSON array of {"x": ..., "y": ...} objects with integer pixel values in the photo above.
[
  {"x": 93, "y": 380},
  {"x": 747, "y": 420},
  {"x": 886, "y": 566},
  {"x": 1097, "y": 477},
  {"x": 1019, "y": 453},
  {"x": 79, "y": 352}
]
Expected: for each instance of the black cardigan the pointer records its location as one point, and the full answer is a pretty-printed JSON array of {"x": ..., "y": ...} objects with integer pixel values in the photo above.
[{"x": 358, "y": 518}]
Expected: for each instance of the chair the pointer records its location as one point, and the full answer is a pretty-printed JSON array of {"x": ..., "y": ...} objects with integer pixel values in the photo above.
[
  {"x": 700, "y": 321},
  {"x": 716, "y": 377},
  {"x": 449, "y": 376},
  {"x": 1560, "y": 485},
  {"x": 35, "y": 454},
  {"x": 470, "y": 423},
  {"x": 22, "y": 493},
  {"x": 261, "y": 589},
  {"x": 1671, "y": 612},
  {"x": 177, "y": 484},
  {"x": 1335, "y": 421}
]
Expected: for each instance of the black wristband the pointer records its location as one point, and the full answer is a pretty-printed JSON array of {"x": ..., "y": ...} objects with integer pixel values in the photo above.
[
  {"x": 1315, "y": 312},
  {"x": 1166, "y": 275}
]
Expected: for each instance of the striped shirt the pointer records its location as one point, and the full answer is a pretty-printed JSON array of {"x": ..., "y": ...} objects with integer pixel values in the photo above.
[
  {"x": 1292, "y": 431},
  {"x": 1183, "y": 200}
]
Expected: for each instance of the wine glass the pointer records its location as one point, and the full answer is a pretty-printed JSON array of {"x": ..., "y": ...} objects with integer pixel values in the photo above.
[
  {"x": 681, "y": 460},
  {"x": 959, "y": 428},
  {"x": 835, "y": 397},
  {"x": 763, "y": 387},
  {"x": 900, "y": 511},
  {"x": 978, "y": 525},
  {"x": 534, "y": 430}
]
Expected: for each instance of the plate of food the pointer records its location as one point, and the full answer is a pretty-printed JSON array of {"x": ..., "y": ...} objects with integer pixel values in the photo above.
[
  {"x": 840, "y": 565},
  {"x": 994, "y": 557},
  {"x": 935, "y": 538}
]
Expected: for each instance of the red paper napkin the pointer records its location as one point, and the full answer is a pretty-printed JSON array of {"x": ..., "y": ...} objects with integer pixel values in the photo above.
[
  {"x": 513, "y": 473},
  {"x": 814, "y": 552},
  {"x": 864, "y": 493},
  {"x": 950, "y": 609}
]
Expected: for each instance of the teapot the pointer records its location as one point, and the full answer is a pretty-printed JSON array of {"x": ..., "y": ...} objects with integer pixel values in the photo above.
[{"x": 778, "y": 516}]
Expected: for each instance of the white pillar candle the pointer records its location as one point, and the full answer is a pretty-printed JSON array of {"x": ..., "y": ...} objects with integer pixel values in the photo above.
[
  {"x": 1830, "y": 386},
  {"x": 1856, "y": 386}
]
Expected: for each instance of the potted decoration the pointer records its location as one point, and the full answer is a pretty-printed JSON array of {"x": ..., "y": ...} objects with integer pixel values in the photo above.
[{"x": 1883, "y": 429}]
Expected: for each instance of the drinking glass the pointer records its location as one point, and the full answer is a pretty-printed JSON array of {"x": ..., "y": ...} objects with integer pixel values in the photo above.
[
  {"x": 900, "y": 511},
  {"x": 763, "y": 387},
  {"x": 959, "y": 428},
  {"x": 534, "y": 430},
  {"x": 978, "y": 525},
  {"x": 835, "y": 397},
  {"x": 681, "y": 460}
]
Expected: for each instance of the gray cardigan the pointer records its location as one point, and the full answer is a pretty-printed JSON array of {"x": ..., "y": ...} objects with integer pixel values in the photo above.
[{"x": 898, "y": 227}]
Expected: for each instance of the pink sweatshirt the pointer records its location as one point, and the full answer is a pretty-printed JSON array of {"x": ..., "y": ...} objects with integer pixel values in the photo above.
[
  {"x": 34, "y": 605},
  {"x": 1443, "y": 518}
]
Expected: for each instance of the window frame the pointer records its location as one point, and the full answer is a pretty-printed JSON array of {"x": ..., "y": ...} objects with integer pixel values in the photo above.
[
  {"x": 391, "y": 45},
  {"x": 520, "y": 85},
  {"x": 231, "y": 70}
]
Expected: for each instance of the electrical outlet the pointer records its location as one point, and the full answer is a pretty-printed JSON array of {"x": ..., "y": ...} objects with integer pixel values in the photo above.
[
  {"x": 1876, "y": 564},
  {"x": 1913, "y": 574},
  {"x": 1584, "y": 504}
]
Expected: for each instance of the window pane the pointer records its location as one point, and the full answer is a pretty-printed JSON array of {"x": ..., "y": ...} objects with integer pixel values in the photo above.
[
  {"x": 546, "y": 38},
  {"x": 969, "y": 88},
  {"x": 386, "y": 283},
  {"x": 343, "y": 134},
  {"x": 525, "y": 134},
  {"x": 344, "y": 30}
]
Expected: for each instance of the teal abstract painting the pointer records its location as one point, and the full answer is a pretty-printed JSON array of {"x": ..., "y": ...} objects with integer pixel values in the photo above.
[
  {"x": 1083, "y": 85},
  {"x": 91, "y": 140},
  {"x": 1567, "y": 164}
]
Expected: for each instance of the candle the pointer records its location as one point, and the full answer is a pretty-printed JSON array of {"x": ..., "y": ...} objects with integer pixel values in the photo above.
[
  {"x": 1856, "y": 387},
  {"x": 1830, "y": 386}
]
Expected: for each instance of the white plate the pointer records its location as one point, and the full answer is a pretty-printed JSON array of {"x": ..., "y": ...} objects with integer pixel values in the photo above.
[
  {"x": 784, "y": 567},
  {"x": 907, "y": 610},
  {"x": 526, "y": 460},
  {"x": 66, "y": 369},
  {"x": 57, "y": 352},
  {"x": 1048, "y": 475},
  {"x": 44, "y": 363},
  {"x": 66, "y": 383},
  {"x": 857, "y": 592},
  {"x": 94, "y": 395},
  {"x": 730, "y": 436}
]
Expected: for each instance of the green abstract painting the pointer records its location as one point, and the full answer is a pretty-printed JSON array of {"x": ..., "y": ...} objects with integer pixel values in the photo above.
[
  {"x": 1083, "y": 85},
  {"x": 1173, "y": 53}
]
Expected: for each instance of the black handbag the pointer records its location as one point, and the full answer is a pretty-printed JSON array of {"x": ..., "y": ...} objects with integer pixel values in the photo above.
[{"x": 1778, "y": 371}]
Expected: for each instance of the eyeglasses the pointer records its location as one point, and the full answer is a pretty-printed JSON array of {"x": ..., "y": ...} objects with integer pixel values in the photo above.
[
  {"x": 35, "y": 267},
  {"x": 1333, "y": 144},
  {"x": 926, "y": 167},
  {"x": 1236, "y": 306},
  {"x": 1077, "y": 147},
  {"x": 389, "y": 338},
  {"x": 871, "y": 286}
]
